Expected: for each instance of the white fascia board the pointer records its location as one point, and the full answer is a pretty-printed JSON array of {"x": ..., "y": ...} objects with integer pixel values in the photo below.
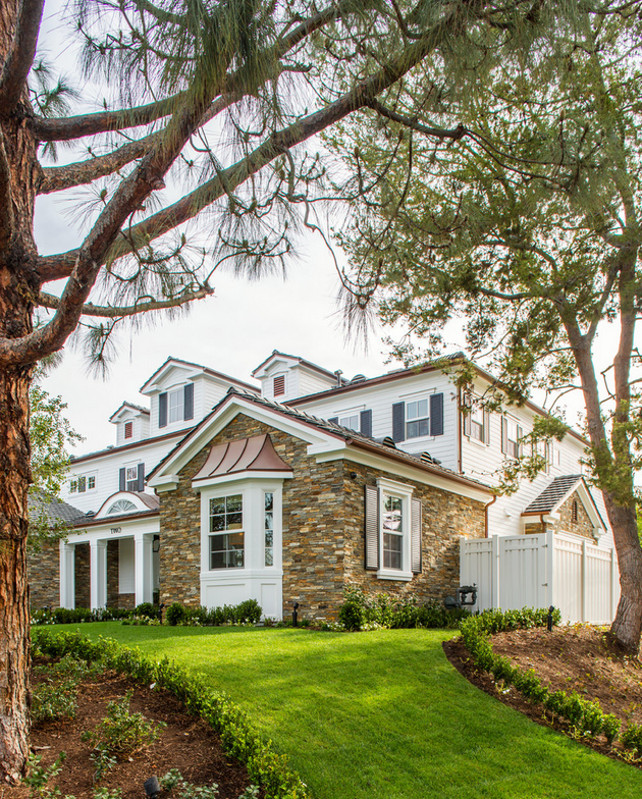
[
  {"x": 407, "y": 472},
  {"x": 187, "y": 373},
  {"x": 167, "y": 482},
  {"x": 124, "y": 528},
  {"x": 288, "y": 363},
  {"x": 217, "y": 423},
  {"x": 237, "y": 477},
  {"x": 589, "y": 506}
]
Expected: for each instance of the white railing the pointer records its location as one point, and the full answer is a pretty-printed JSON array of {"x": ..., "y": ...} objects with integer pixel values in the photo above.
[{"x": 570, "y": 573}]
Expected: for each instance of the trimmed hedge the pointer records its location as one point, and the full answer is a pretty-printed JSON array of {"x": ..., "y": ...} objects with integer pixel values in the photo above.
[
  {"x": 360, "y": 611},
  {"x": 238, "y": 735},
  {"x": 78, "y": 615},
  {"x": 586, "y": 717}
]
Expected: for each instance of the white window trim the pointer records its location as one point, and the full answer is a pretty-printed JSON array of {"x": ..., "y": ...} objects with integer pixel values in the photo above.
[
  {"x": 404, "y": 492},
  {"x": 251, "y": 491}
]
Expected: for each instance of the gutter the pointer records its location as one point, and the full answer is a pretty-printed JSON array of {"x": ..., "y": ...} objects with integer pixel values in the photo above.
[{"x": 488, "y": 504}]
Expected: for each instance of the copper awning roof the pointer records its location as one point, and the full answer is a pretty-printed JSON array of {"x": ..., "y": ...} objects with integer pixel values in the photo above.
[{"x": 254, "y": 454}]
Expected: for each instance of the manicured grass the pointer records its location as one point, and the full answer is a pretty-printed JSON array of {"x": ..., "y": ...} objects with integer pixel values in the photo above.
[{"x": 382, "y": 714}]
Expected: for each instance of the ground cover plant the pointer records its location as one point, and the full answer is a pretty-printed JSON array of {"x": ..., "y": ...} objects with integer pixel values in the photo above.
[
  {"x": 62, "y": 766},
  {"x": 382, "y": 714}
]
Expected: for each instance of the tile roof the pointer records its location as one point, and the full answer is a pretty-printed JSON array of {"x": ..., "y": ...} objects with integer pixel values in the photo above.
[
  {"x": 350, "y": 436},
  {"x": 553, "y": 493},
  {"x": 54, "y": 509}
]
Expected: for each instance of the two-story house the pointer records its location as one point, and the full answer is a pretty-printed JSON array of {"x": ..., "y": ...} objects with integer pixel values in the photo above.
[{"x": 293, "y": 487}]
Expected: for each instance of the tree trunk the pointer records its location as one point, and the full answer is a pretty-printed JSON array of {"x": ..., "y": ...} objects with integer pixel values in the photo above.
[
  {"x": 18, "y": 287},
  {"x": 14, "y": 618},
  {"x": 627, "y": 624}
]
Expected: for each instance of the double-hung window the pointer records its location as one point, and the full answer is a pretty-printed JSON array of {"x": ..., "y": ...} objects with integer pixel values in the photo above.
[
  {"x": 176, "y": 405},
  {"x": 512, "y": 435},
  {"x": 268, "y": 528},
  {"x": 227, "y": 536},
  {"x": 417, "y": 419},
  {"x": 476, "y": 420},
  {"x": 393, "y": 535}
]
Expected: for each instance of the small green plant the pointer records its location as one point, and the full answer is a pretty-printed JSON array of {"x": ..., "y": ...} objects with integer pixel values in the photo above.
[
  {"x": 122, "y": 733},
  {"x": 611, "y": 727},
  {"x": 103, "y": 762},
  {"x": 176, "y": 614},
  {"x": 631, "y": 739},
  {"x": 51, "y": 700},
  {"x": 38, "y": 777},
  {"x": 147, "y": 610},
  {"x": 107, "y": 793},
  {"x": 174, "y": 784}
]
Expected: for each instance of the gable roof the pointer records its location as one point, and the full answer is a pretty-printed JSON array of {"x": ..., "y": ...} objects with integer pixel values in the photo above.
[
  {"x": 301, "y": 361},
  {"x": 348, "y": 437},
  {"x": 554, "y": 494},
  {"x": 170, "y": 361},
  {"x": 558, "y": 491},
  {"x": 126, "y": 405}
]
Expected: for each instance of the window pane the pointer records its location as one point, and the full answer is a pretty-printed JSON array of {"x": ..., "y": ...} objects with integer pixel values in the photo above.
[
  {"x": 269, "y": 500},
  {"x": 217, "y": 505},
  {"x": 175, "y": 401},
  {"x": 217, "y": 523},
  {"x": 234, "y": 521},
  {"x": 392, "y": 514},
  {"x": 234, "y": 503},
  {"x": 226, "y": 551},
  {"x": 392, "y": 547}
]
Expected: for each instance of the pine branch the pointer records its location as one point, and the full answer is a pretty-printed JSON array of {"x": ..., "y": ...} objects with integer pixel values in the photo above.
[
  {"x": 441, "y": 133},
  {"x": 66, "y": 129},
  {"x": 82, "y": 172},
  {"x": 142, "y": 304},
  {"x": 59, "y": 266},
  {"x": 15, "y": 70}
]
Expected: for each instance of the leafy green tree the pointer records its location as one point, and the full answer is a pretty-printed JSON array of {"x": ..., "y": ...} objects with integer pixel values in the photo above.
[
  {"x": 527, "y": 230},
  {"x": 206, "y": 104}
]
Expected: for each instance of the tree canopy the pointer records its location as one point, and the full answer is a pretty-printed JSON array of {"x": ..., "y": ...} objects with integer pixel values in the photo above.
[{"x": 528, "y": 232}]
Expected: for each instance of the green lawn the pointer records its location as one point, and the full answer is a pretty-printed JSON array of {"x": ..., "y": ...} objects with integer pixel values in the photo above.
[{"x": 382, "y": 715}]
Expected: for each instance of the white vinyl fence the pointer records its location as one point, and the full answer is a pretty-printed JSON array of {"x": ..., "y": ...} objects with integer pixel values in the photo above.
[{"x": 570, "y": 573}]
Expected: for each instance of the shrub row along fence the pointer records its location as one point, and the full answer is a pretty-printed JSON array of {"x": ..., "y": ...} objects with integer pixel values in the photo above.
[
  {"x": 586, "y": 717},
  {"x": 247, "y": 612},
  {"x": 239, "y": 737}
]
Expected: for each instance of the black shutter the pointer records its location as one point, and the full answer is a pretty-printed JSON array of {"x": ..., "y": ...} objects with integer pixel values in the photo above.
[
  {"x": 188, "y": 401},
  {"x": 415, "y": 536},
  {"x": 121, "y": 480},
  {"x": 398, "y": 421},
  {"x": 366, "y": 422},
  {"x": 372, "y": 527},
  {"x": 162, "y": 409},
  {"x": 334, "y": 419},
  {"x": 436, "y": 414},
  {"x": 141, "y": 477}
]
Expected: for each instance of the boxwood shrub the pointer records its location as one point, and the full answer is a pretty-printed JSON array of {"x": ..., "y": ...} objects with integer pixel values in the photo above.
[
  {"x": 361, "y": 611},
  {"x": 238, "y": 735},
  {"x": 586, "y": 717}
]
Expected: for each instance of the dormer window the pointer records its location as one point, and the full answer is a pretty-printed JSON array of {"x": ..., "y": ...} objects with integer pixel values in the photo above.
[
  {"x": 129, "y": 429},
  {"x": 278, "y": 385},
  {"x": 176, "y": 405}
]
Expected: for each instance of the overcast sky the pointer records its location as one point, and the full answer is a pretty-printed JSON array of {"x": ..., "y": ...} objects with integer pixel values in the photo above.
[{"x": 232, "y": 332}]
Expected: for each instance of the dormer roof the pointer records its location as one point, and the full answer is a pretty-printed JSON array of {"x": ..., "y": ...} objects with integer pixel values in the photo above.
[
  {"x": 128, "y": 406},
  {"x": 290, "y": 360},
  {"x": 193, "y": 369}
]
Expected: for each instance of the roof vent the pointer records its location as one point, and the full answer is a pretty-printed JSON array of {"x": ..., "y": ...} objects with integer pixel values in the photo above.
[
  {"x": 358, "y": 379},
  {"x": 388, "y": 442},
  {"x": 426, "y": 457},
  {"x": 338, "y": 374}
]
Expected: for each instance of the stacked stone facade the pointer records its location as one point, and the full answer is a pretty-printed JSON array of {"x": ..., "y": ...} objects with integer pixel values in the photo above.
[
  {"x": 582, "y": 525},
  {"x": 323, "y": 530},
  {"x": 44, "y": 576}
]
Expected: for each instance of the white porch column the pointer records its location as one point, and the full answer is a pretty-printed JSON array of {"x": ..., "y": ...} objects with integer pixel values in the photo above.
[
  {"x": 144, "y": 568},
  {"x": 98, "y": 574},
  {"x": 67, "y": 576}
]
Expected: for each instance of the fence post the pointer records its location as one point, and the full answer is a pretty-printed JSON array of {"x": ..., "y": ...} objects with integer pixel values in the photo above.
[
  {"x": 584, "y": 583},
  {"x": 494, "y": 572},
  {"x": 614, "y": 583},
  {"x": 549, "y": 542}
]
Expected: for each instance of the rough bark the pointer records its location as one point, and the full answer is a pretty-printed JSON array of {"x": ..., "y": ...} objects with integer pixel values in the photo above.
[{"x": 18, "y": 287}]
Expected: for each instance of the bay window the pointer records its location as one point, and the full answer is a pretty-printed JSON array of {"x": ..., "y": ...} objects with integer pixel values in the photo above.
[{"x": 227, "y": 537}]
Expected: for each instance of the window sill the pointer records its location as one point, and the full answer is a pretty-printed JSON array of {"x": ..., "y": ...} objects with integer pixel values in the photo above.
[
  {"x": 393, "y": 574},
  {"x": 476, "y": 441}
]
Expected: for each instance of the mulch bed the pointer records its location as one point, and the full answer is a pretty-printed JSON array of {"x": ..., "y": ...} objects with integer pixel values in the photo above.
[
  {"x": 576, "y": 658},
  {"x": 187, "y": 743}
]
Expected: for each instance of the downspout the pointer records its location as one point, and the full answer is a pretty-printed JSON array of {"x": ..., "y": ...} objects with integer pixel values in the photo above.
[
  {"x": 459, "y": 436},
  {"x": 486, "y": 506}
]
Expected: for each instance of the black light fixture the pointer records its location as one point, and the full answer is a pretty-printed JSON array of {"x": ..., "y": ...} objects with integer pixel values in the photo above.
[
  {"x": 295, "y": 615},
  {"x": 156, "y": 544},
  {"x": 152, "y": 788}
]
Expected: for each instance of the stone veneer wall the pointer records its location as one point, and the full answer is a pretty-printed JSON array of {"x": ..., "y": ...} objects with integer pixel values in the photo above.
[
  {"x": 323, "y": 531},
  {"x": 81, "y": 565},
  {"x": 43, "y": 568},
  {"x": 583, "y": 526},
  {"x": 446, "y": 517},
  {"x": 534, "y": 528}
]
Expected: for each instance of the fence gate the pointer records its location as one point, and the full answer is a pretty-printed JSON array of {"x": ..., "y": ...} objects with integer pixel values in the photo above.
[{"x": 573, "y": 574}]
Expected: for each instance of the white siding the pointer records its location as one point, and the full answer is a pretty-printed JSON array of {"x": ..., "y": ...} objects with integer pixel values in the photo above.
[
  {"x": 380, "y": 399},
  {"x": 140, "y": 429},
  {"x": 106, "y": 468}
]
